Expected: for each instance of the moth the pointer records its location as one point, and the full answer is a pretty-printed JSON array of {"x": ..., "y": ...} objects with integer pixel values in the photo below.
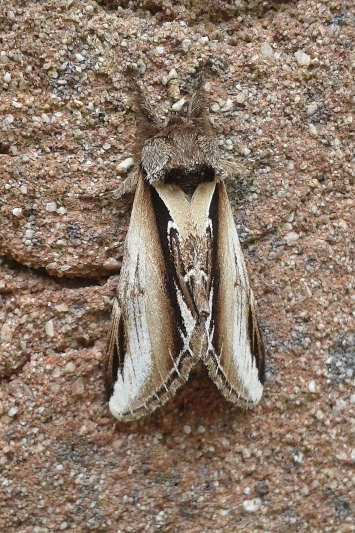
[{"x": 183, "y": 294}]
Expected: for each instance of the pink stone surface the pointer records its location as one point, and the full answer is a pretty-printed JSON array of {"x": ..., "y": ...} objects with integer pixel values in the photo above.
[{"x": 282, "y": 104}]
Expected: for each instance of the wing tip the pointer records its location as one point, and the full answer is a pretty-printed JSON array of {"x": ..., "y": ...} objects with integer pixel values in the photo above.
[{"x": 129, "y": 409}]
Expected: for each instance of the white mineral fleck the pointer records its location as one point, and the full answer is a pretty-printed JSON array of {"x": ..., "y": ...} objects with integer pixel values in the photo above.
[
  {"x": 69, "y": 367},
  {"x": 298, "y": 457},
  {"x": 266, "y": 50},
  {"x": 142, "y": 67},
  {"x": 125, "y": 165},
  {"x": 8, "y": 120},
  {"x": 79, "y": 57},
  {"x": 187, "y": 430},
  {"x": 51, "y": 207},
  {"x": 78, "y": 387},
  {"x": 62, "y": 308},
  {"x": 228, "y": 105},
  {"x": 6, "y": 333},
  {"x": 302, "y": 58},
  {"x": 215, "y": 108},
  {"x": 17, "y": 212},
  {"x": 246, "y": 453},
  {"x": 16, "y": 104},
  {"x": 312, "y": 386},
  {"x": 56, "y": 373},
  {"x": 49, "y": 328},
  {"x": 178, "y": 105},
  {"x": 352, "y": 455},
  {"x": 173, "y": 75},
  {"x": 23, "y": 189},
  {"x": 160, "y": 50},
  {"x": 12, "y": 411},
  {"x": 106, "y": 146},
  {"x": 252, "y": 506},
  {"x": 61, "y": 210},
  {"x": 7, "y": 77},
  {"x": 341, "y": 456},
  {"x": 291, "y": 238},
  {"x": 240, "y": 98},
  {"x": 319, "y": 415},
  {"x": 185, "y": 45},
  {"x": 338, "y": 407},
  {"x": 312, "y": 108},
  {"x": 313, "y": 130}
]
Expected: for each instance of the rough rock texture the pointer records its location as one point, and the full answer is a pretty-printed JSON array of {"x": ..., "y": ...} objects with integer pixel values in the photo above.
[{"x": 281, "y": 91}]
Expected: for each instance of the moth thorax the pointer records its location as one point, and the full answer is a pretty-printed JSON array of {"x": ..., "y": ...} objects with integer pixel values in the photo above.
[{"x": 188, "y": 179}]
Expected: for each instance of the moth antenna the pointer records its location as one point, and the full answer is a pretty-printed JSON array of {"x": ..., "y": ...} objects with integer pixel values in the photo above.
[
  {"x": 198, "y": 105},
  {"x": 149, "y": 120}
]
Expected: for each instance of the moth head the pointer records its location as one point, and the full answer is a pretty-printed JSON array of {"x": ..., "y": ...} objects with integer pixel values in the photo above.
[{"x": 182, "y": 150}]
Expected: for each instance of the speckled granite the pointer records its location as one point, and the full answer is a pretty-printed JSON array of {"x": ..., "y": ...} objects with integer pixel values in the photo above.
[{"x": 281, "y": 92}]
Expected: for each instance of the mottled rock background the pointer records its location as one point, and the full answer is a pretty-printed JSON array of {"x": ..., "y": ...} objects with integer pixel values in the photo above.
[{"x": 281, "y": 92}]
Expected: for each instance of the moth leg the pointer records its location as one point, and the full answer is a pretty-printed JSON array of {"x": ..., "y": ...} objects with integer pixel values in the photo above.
[
  {"x": 127, "y": 187},
  {"x": 229, "y": 169}
]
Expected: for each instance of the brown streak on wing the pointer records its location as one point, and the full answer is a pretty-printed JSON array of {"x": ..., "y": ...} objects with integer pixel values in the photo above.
[{"x": 257, "y": 342}]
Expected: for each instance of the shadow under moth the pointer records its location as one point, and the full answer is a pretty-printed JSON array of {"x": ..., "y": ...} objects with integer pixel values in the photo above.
[{"x": 183, "y": 294}]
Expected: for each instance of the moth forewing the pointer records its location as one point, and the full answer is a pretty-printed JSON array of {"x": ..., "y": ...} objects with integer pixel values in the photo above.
[
  {"x": 183, "y": 293},
  {"x": 236, "y": 359},
  {"x": 155, "y": 361}
]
